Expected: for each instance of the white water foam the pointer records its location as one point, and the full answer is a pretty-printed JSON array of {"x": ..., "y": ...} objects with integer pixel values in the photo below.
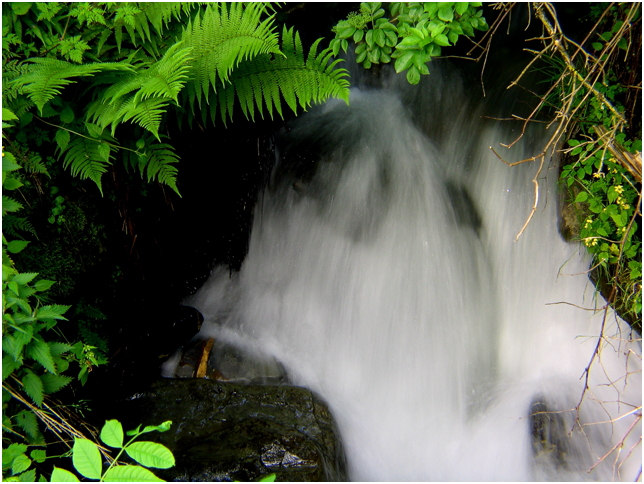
[{"x": 389, "y": 281}]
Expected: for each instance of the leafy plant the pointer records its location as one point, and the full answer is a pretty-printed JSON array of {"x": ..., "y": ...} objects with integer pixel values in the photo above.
[
  {"x": 87, "y": 461},
  {"x": 163, "y": 68},
  {"x": 33, "y": 359},
  {"x": 413, "y": 33}
]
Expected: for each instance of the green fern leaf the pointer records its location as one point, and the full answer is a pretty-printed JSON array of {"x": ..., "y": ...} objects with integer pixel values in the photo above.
[
  {"x": 300, "y": 82},
  {"x": 222, "y": 37},
  {"x": 47, "y": 76},
  {"x": 86, "y": 160},
  {"x": 143, "y": 96}
]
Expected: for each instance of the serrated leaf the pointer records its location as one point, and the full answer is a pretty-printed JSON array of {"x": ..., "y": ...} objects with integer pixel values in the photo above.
[
  {"x": 16, "y": 246},
  {"x": 43, "y": 285},
  {"x": 38, "y": 455},
  {"x": 112, "y": 434},
  {"x": 52, "y": 383},
  {"x": 86, "y": 459},
  {"x": 8, "y": 115},
  {"x": 10, "y": 205},
  {"x": 62, "y": 475},
  {"x": 54, "y": 311},
  {"x": 9, "y": 365},
  {"x": 11, "y": 183},
  {"x": 33, "y": 387},
  {"x": 151, "y": 454},
  {"x": 20, "y": 464},
  {"x": 27, "y": 421},
  {"x": 58, "y": 349},
  {"x": 24, "y": 277},
  {"x": 129, "y": 473}
]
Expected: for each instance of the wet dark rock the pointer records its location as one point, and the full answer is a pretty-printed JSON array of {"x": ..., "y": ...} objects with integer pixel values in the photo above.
[
  {"x": 549, "y": 436},
  {"x": 225, "y": 431}
]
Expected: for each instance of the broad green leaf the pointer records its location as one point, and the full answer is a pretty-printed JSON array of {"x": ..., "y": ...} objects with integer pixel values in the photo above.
[
  {"x": 67, "y": 115},
  {"x": 33, "y": 387},
  {"x": 11, "y": 184},
  {"x": 404, "y": 62},
  {"x": 346, "y": 32},
  {"x": 581, "y": 197},
  {"x": 62, "y": 139},
  {"x": 20, "y": 8},
  {"x": 20, "y": 464},
  {"x": 446, "y": 14},
  {"x": 460, "y": 7},
  {"x": 38, "y": 455},
  {"x": 358, "y": 36},
  {"x": 43, "y": 285},
  {"x": 87, "y": 459},
  {"x": 130, "y": 474},
  {"x": 16, "y": 246},
  {"x": 413, "y": 75},
  {"x": 369, "y": 38},
  {"x": 112, "y": 434},
  {"x": 150, "y": 454},
  {"x": 62, "y": 475},
  {"x": 441, "y": 40},
  {"x": 597, "y": 45},
  {"x": 29, "y": 476}
]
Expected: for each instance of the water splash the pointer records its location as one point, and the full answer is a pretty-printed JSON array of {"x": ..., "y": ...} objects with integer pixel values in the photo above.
[{"x": 383, "y": 273}]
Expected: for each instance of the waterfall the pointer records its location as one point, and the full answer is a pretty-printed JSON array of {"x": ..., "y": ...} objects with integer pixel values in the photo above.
[{"x": 383, "y": 273}]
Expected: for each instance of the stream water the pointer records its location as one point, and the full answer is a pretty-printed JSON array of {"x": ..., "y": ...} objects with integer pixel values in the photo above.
[{"x": 383, "y": 273}]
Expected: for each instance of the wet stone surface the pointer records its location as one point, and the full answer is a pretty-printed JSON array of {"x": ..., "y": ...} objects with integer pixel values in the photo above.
[{"x": 225, "y": 431}]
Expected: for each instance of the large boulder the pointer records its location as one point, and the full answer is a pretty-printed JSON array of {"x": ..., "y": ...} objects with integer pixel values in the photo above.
[{"x": 225, "y": 431}]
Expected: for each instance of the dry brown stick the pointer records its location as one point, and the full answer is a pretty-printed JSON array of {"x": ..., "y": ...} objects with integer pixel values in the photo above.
[{"x": 203, "y": 359}]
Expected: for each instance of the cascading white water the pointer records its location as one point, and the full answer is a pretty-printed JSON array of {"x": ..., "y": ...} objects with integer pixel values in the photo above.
[{"x": 385, "y": 276}]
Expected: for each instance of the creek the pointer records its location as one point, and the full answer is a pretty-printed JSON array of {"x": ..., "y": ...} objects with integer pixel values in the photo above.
[{"x": 383, "y": 273}]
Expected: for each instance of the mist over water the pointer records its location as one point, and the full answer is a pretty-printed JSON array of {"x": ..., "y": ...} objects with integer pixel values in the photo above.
[{"x": 383, "y": 273}]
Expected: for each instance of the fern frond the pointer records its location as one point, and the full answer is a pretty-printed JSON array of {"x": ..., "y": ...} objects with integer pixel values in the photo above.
[
  {"x": 143, "y": 96},
  {"x": 47, "y": 76},
  {"x": 11, "y": 224},
  {"x": 159, "y": 164},
  {"x": 263, "y": 79},
  {"x": 221, "y": 38},
  {"x": 159, "y": 14},
  {"x": 87, "y": 158}
]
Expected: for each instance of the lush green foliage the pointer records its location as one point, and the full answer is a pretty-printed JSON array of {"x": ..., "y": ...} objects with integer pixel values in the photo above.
[
  {"x": 169, "y": 56},
  {"x": 88, "y": 463},
  {"x": 605, "y": 191},
  {"x": 34, "y": 355},
  {"x": 413, "y": 33}
]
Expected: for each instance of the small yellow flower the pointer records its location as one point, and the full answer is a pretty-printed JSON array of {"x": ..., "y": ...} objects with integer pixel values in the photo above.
[
  {"x": 626, "y": 206},
  {"x": 619, "y": 189}
]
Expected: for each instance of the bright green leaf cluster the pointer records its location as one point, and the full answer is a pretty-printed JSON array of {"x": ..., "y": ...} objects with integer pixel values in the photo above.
[
  {"x": 88, "y": 463},
  {"x": 412, "y": 34}
]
